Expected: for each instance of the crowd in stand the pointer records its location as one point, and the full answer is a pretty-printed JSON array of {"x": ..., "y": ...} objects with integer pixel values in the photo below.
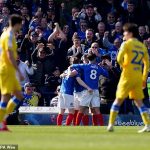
[{"x": 54, "y": 31}]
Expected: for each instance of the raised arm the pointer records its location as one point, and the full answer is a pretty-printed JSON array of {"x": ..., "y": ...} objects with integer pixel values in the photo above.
[{"x": 54, "y": 34}]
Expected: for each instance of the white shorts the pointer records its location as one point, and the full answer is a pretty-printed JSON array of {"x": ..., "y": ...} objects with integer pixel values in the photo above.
[
  {"x": 90, "y": 100},
  {"x": 65, "y": 101},
  {"x": 77, "y": 98}
]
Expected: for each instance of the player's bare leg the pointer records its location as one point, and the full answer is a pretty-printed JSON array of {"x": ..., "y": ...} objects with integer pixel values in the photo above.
[
  {"x": 3, "y": 105},
  {"x": 113, "y": 113},
  {"x": 60, "y": 117},
  {"x": 70, "y": 117},
  {"x": 144, "y": 114}
]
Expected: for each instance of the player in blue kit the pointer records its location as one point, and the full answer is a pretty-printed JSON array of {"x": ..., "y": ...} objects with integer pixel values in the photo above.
[
  {"x": 91, "y": 74},
  {"x": 66, "y": 98}
]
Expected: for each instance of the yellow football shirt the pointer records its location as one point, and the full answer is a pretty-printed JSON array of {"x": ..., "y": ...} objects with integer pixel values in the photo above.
[
  {"x": 7, "y": 42},
  {"x": 131, "y": 57}
]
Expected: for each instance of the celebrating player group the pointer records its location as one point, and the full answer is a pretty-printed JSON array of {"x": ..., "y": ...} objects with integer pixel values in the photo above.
[{"x": 79, "y": 88}]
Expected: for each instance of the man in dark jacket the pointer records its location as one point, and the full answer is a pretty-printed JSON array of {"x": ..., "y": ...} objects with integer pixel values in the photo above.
[{"x": 108, "y": 86}]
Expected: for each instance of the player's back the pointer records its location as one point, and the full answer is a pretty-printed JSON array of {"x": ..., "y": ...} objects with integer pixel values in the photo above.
[
  {"x": 7, "y": 42},
  {"x": 67, "y": 85},
  {"x": 133, "y": 58},
  {"x": 91, "y": 75}
]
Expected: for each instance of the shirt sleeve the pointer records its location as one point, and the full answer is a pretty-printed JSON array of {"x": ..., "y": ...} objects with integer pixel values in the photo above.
[
  {"x": 78, "y": 66},
  {"x": 9, "y": 42},
  {"x": 104, "y": 72},
  {"x": 146, "y": 64},
  {"x": 122, "y": 51}
]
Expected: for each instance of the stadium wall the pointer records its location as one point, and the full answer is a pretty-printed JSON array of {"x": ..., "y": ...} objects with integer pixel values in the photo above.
[{"x": 48, "y": 115}]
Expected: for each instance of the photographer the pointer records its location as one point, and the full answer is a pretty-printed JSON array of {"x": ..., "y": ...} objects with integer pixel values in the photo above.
[
  {"x": 108, "y": 86},
  {"x": 43, "y": 62}
]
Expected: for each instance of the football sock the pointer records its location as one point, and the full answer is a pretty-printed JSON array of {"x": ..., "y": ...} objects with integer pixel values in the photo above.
[
  {"x": 144, "y": 114},
  {"x": 79, "y": 118},
  {"x": 94, "y": 120},
  {"x": 59, "y": 119},
  {"x": 113, "y": 114},
  {"x": 85, "y": 120},
  {"x": 69, "y": 119},
  {"x": 75, "y": 116},
  {"x": 3, "y": 106},
  {"x": 12, "y": 105},
  {"x": 100, "y": 119}
]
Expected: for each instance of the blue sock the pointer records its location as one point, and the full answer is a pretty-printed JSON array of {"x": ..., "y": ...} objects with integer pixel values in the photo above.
[{"x": 115, "y": 107}]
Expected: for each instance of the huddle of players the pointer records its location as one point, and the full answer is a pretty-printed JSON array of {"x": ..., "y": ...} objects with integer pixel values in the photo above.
[{"x": 79, "y": 91}]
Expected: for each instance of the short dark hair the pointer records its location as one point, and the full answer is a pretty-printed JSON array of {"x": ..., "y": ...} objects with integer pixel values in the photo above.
[
  {"x": 15, "y": 19},
  {"x": 89, "y": 29},
  {"x": 74, "y": 60},
  {"x": 91, "y": 56},
  {"x": 132, "y": 28},
  {"x": 89, "y": 6}
]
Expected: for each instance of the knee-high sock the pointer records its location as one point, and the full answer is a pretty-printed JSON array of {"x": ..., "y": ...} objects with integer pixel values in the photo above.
[
  {"x": 3, "y": 106},
  {"x": 94, "y": 120},
  {"x": 144, "y": 114},
  {"x": 12, "y": 105},
  {"x": 75, "y": 116},
  {"x": 59, "y": 119},
  {"x": 113, "y": 114},
  {"x": 79, "y": 118},
  {"x": 69, "y": 119},
  {"x": 100, "y": 119},
  {"x": 85, "y": 120}
]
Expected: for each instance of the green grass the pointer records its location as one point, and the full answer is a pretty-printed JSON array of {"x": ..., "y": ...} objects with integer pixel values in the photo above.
[{"x": 75, "y": 138}]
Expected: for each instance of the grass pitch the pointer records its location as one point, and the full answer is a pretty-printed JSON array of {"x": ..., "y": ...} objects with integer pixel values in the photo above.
[{"x": 75, "y": 138}]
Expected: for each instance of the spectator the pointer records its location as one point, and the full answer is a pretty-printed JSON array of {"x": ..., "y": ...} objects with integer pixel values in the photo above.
[
  {"x": 78, "y": 49},
  {"x": 1, "y": 5},
  {"x": 131, "y": 15},
  {"x": 142, "y": 33},
  {"x": 58, "y": 38},
  {"x": 108, "y": 86},
  {"x": 82, "y": 29},
  {"x": 51, "y": 18},
  {"x": 52, "y": 81},
  {"x": 147, "y": 43},
  {"x": 35, "y": 20},
  {"x": 28, "y": 45},
  {"x": 75, "y": 19},
  {"x": 110, "y": 24},
  {"x": 43, "y": 64},
  {"x": 66, "y": 30},
  {"x": 117, "y": 32},
  {"x": 89, "y": 34},
  {"x": 100, "y": 34},
  {"x": 97, "y": 51},
  {"x": 16, "y": 9},
  {"x": 64, "y": 15},
  {"x": 26, "y": 69},
  {"x": 31, "y": 98},
  {"x": 92, "y": 17},
  {"x": 4, "y": 18},
  {"x": 26, "y": 18},
  {"x": 54, "y": 101}
]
